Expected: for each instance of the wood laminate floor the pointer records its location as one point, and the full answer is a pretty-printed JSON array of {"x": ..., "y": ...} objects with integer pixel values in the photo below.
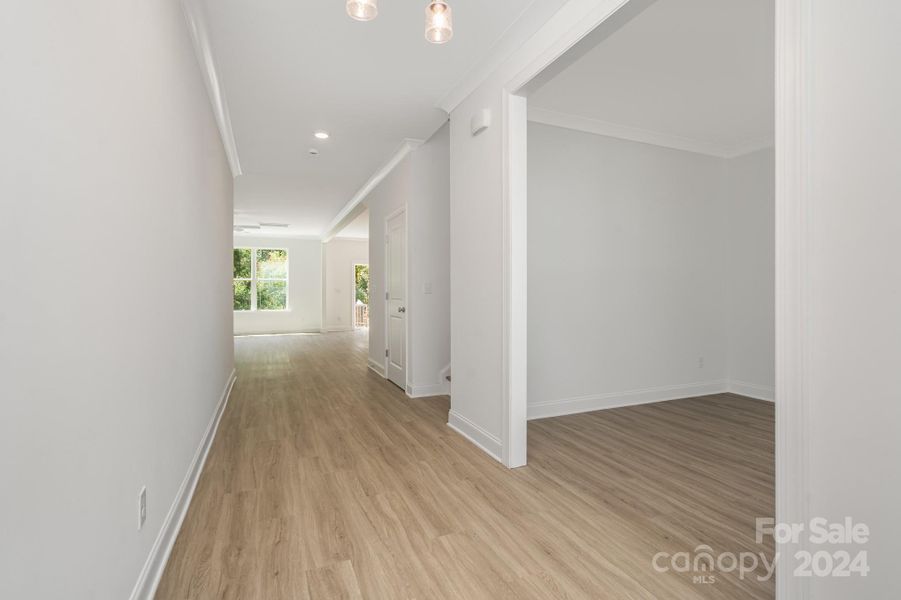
[{"x": 325, "y": 481}]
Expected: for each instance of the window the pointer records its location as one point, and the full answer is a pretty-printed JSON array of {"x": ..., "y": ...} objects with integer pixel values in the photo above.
[{"x": 260, "y": 279}]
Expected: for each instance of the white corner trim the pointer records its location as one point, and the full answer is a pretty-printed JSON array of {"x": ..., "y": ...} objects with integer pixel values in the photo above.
[
  {"x": 592, "y": 402},
  {"x": 150, "y": 575},
  {"x": 408, "y": 146},
  {"x": 377, "y": 367},
  {"x": 515, "y": 274},
  {"x": 489, "y": 443},
  {"x": 794, "y": 75},
  {"x": 753, "y": 390},
  {"x": 200, "y": 36},
  {"x": 644, "y": 136}
]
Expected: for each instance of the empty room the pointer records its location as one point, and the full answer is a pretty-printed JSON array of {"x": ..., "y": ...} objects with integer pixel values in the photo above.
[
  {"x": 651, "y": 273},
  {"x": 450, "y": 299}
]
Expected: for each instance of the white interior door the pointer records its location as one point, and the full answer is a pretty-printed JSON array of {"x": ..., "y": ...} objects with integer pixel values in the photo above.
[{"x": 396, "y": 256}]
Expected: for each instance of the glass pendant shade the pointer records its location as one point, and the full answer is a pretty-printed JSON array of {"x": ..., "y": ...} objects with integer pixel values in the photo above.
[
  {"x": 439, "y": 25},
  {"x": 362, "y": 10}
]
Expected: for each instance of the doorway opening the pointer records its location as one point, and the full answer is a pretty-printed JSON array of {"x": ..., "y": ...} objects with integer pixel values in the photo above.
[
  {"x": 650, "y": 167},
  {"x": 361, "y": 296}
]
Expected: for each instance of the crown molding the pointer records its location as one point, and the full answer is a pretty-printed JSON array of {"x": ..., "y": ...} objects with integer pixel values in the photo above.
[
  {"x": 349, "y": 239},
  {"x": 751, "y": 146},
  {"x": 245, "y": 235},
  {"x": 507, "y": 44},
  {"x": 645, "y": 136},
  {"x": 197, "y": 26},
  {"x": 346, "y": 213}
]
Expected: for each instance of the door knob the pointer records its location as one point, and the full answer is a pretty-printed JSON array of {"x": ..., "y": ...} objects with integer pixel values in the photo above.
[{"x": 401, "y": 309}]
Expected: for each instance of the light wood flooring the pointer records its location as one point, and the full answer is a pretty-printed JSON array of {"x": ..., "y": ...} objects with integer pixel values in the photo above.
[{"x": 325, "y": 481}]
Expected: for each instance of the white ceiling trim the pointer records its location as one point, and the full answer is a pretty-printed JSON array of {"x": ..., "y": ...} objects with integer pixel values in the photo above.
[
  {"x": 262, "y": 235},
  {"x": 505, "y": 46},
  {"x": 635, "y": 134},
  {"x": 751, "y": 146},
  {"x": 197, "y": 26},
  {"x": 347, "y": 213},
  {"x": 515, "y": 67},
  {"x": 349, "y": 239}
]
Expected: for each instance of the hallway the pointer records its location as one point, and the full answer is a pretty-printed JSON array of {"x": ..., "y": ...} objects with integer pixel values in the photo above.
[{"x": 325, "y": 481}]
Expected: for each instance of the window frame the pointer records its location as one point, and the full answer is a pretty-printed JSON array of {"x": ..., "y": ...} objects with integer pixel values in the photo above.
[{"x": 253, "y": 279}]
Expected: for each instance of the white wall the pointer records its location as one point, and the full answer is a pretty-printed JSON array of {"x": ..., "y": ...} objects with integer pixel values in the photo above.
[
  {"x": 477, "y": 272},
  {"x": 390, "y": 195},
  {"x": 651, "y": 273},
  {"x": 339, "y": 258},
  {"x": 429, "y": 239},
  {"x": 421, "y": 183},
  {"x": 115, "y": 318},
  {"x": 852, "y": 303},
  {"x": 627, "y": 272},
  {"x": 304, "y": 311},
  {"x": 750, "y": 249}
]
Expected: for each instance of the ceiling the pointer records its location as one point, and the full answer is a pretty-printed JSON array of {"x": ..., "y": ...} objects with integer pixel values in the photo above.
[
  {"x": 287, "y": 68},
  {"x": 680, "y": 71}
]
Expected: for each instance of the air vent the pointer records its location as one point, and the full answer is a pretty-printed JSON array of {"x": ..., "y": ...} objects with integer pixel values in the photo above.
[{"x": 273, "y": 224}]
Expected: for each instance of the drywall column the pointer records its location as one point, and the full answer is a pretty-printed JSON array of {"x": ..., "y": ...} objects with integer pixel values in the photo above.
[{"x": 477, "y": 273}]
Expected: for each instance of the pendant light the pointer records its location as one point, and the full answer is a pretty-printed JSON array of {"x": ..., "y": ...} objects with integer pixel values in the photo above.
[
  {"x": 439, "y": 24},
  {"x": 362, "y": 10}
]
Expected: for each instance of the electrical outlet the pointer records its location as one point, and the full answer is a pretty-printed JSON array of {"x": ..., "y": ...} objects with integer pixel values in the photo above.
[
  {"x": 142, "y": 507},
  {"x": 700, "y": 362}
]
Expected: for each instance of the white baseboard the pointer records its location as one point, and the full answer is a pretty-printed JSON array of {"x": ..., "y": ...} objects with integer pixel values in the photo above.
[
  {"x": 377, "y": 367},
  {"x": 475, "y": 434},
  {"x": 276, "y": 332},
  {"x": 752, "y": 390},
  {"x": 335, "y": 329},
  {"x": 433, "y": 389},
  {"x": 580, "y": 404},
  {"x": 150, "y": 576}
]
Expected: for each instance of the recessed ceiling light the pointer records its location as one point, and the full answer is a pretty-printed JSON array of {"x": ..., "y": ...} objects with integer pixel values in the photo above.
[{"x": 321, "y": 135}]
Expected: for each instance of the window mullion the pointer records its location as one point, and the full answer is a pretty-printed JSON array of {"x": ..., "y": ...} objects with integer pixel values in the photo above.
[{"x": 253, "y": 279}]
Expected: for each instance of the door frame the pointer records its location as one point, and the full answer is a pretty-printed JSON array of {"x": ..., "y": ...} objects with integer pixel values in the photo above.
[
  {"x": 407, "y": 362},
  {"x": 353, "y": 296},
  {"x": 794, "y": 74}
]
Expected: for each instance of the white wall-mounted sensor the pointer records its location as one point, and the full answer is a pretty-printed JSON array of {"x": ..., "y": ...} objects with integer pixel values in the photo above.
[{"x": 480, "y": 121}]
